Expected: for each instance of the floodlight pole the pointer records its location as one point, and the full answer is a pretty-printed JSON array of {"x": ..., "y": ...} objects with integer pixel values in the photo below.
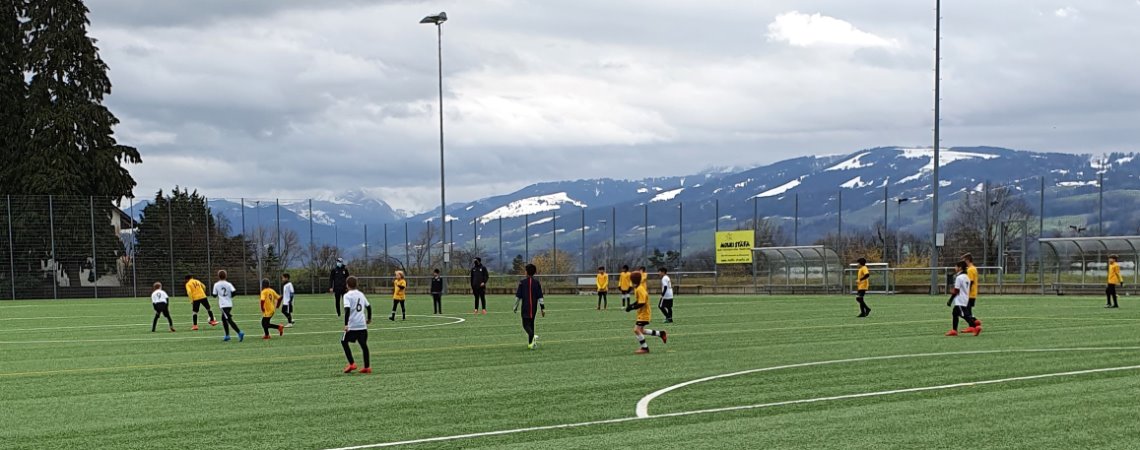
[
  {"x": 937, "y": 143},
  {"x": 438, "y": 21}
]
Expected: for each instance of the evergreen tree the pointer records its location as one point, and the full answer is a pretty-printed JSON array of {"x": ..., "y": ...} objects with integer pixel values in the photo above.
[
  {"x": 71, "y": 146},
  {"x": 12, "y": 92}
]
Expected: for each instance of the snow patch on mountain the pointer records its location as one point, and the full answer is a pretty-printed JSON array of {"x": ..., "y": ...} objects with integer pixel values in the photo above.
[
  {"x": 778, "y": 190},
  {"x": 642, "y": 190},
  {"x": 1076, "y": 183},
  {"x": 856, "y": 183},
  {"x": 531, "y": 205},
  {"x": 853, "y": 163},
  {"x": 945, "y": 158},
  {"x": 667, "y": 195},
  {"x": 450, "y": 218}
]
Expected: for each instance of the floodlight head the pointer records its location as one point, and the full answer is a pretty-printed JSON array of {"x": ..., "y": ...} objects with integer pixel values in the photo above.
[
  {"x": 994, "y": 203},
  {"x": 903, "y": 199},
  {"x": 437, "y": 19}
]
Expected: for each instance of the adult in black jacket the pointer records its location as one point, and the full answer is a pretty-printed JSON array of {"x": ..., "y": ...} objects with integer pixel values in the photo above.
[
  {"x": 338, "y": 283},
  {"x": 479, "y": 277}
]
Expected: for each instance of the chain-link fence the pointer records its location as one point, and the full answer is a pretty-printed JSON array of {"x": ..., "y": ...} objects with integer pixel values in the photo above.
[{"x": 68, "y": 247}]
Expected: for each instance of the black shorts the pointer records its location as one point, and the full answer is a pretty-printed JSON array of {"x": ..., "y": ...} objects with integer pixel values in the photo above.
[
  {"x": 861, "y": 293},
  {"x": 160, "y": 307},
  {"x": 641, "y": 323},
  {"x": 355, "y": 336},
  {"x": 666, "y": 303},
  {"x": 198, "y": 304},
  {"x": 626, "y": 291},
  {"x": 971, "y": 302}
]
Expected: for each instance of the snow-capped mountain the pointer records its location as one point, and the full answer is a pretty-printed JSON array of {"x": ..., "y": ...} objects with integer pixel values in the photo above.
[{"x": 652, "y": 210}]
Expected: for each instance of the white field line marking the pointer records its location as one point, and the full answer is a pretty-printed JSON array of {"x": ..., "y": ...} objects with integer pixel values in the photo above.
[
  {"x": 642, "y": 408},
  {"x": 455, "y": 320},
  {"x": 791, "y": 402}
]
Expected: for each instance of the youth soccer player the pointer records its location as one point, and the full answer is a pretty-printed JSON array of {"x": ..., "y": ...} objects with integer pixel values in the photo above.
[
  {"x": 356, "y": 325},
  {"x": 270, "y": 301},
  {"x": 529, "y": 295},
  {"x": 399, "y": 294},
  {"x": 603, "y": 283},
  {"x": 224, "y": 292},
  {"x": 287, "y": 293},
  {"x": 197, "y": 293},
  {"x": 666, "y": 303},
  {"x": 972, "y": 273},
  {"x": 1114, "y": 280},
  {"x": 436, "y": 292},
  {"x": 862, "y": 284},
  {"x": 161, "y": 303},
  {"x": 960, "y": 301},
  {"x": 624, "y": 285},
  {"x": 644, "y": 314}
]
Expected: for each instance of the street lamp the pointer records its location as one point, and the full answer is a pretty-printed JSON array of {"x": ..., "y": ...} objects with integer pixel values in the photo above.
[
  {"x": 1077, "y": 230},
  {"x": 438, "y": 21},
  {"x": 898, "y": 225}
]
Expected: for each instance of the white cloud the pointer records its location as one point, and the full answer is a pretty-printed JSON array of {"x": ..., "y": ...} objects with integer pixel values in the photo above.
[
  {"x": 1066, "y": 12},
  {"x": 810, "y": 30}
]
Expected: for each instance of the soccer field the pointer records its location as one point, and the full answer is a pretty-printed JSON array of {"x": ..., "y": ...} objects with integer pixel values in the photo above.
[{"x": 1047, "y": 372}]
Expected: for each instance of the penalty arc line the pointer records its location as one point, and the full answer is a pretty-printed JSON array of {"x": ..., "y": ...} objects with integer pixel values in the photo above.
[
  {"x": 642, "y": 409},
  {"x": 782, "y": 403}
]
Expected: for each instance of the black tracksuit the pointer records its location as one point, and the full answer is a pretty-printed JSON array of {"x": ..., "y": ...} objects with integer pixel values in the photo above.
[
  {"x": 479, "y": 277},
  {"x": 437, "y": 294},
  {"x": 338, "y": 280}
]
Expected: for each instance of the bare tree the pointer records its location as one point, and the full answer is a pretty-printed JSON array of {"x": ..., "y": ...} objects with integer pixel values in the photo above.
[
  {"x": 291, "y": 248},
  {"x": 975, "y": 224}
]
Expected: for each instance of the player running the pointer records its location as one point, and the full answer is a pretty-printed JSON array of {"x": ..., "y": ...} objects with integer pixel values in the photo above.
[
  {"x": 197, "y": 293},
  {"x": 356, "y": 325},
  {"x": 224, "y": 292},
  {"x": 644, "y": 314},
  {"x": 529, "y": 294},
  {"x": 270, "y": 301},
  {"x": 161, "y": 303}
]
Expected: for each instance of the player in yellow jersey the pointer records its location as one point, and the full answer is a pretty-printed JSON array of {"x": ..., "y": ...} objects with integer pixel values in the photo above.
[
  {"x": 644, "y": 314},
  {"x": 1114, "y": 280},
  {"x": 270, "y": 301},
  {"x": 197, "y": 293},
  {"x": 399, "y": 294},
  {"x": 862, "y": 284},
  {"x": 972, "y": 274},
  {"x": 603, "y": 284},
  {"x": 624, "y": 285}
]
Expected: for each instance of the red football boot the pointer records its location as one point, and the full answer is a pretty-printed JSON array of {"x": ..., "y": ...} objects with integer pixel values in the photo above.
[
  {"x": 952, "y": 333},
  {"x": 349, "y": 368}
]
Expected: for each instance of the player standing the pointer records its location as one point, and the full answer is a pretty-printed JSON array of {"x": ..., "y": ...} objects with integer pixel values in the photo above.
[
  {"x": 960, "y": 301},
  {"x": 666, "y": 303},
  {"x": 197, "y": 293},
  {"x": 399, "y": 294},
  {"x": 436, "y": 292},
  {"x": 1114, "y": 280},
  {"x": 337, "y": 283},
  {"x": 644, "y": 314},
  {"x": 603, "y": 283},
  {"x": 287, "y": 293},
  {"x": 356, "y": 325},
  {"x": 479, "y": 278},
  {"x": 862, "y": 284},
  {"x": 624, "y": 285},
  {"x": 161, "y": 303},
  {"x": 529, "y": 295},
  {"x": 224, "y": 292},
  {"x": 972, "y": 273},
  {"x": 270, "y": 301}
]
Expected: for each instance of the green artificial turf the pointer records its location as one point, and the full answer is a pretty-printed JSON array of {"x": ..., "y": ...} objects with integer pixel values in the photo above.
[{"x": 90, "y": 374}]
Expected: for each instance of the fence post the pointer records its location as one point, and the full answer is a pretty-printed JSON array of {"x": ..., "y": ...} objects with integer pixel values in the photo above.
[
  {"x": 260, "y": 244},
  {"x": 386, "y": 258},
  {"x": 54, "y": 262},
  {"x": 1100, "y": 204},
  {"x": 554, "y": 235},
  {"x": 475, "y": 236},
  {"x": 134, "y": 260},
  {"x": 367, "y": 262},
  {"x": 407, "y": 245},
  {"x": 502, "y": 264},
  {"x": 680, "y": 234},
  {"x": 11, "y": 250},
  {"x": 209, "y": 257},
  {"x": 613, "y": 231},
  {"x": 277, "y": 240},
  {"x": 170, "y": 236},
  {"x": 94, "y": 252},
  {"x": 313, "y": 252}
]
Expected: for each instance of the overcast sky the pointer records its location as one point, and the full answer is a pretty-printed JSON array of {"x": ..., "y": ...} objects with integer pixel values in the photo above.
[{"x": 295, "y": 98}]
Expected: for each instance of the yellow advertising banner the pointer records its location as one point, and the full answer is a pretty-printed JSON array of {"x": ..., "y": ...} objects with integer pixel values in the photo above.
[{"x": 734, "y": 247}]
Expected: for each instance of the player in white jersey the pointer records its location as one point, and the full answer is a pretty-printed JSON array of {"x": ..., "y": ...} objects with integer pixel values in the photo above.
[
  {"x": 960, "y": 301},
  {"x": 666, "y": 303},
  {"x": 357, "y": 316},
  {"x": 224, "y": 292},
  {"x": 287, "y": 293},
  {"x": 161, "y": 303}
]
